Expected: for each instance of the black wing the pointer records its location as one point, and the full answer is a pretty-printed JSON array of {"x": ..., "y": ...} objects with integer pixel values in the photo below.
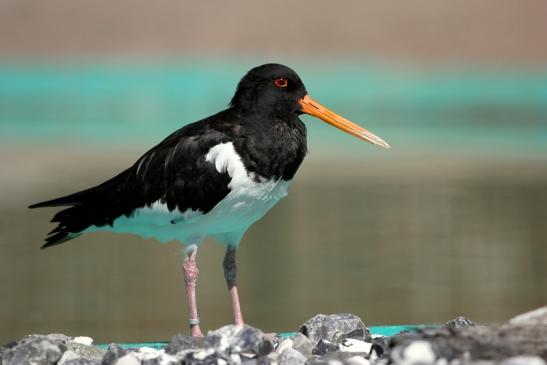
[{"x": 174, "y": 172}]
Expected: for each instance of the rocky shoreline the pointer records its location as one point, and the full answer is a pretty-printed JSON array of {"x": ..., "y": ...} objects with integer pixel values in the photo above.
[{"x": 336, "y": 339}]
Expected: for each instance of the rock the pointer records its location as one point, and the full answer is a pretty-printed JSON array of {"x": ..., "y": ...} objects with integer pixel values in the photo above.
[
  {"x": 325, "y": 346},
  {"x": 290, "y": 356},
  {"x": 127, "y": 359},
  {"x": 303, "y": 344},
  {"x": 459, "y": 322},
  {"x": 480, "y": 342},
  {"x": 417, "y": 352},
  {"x": 357, "y": 360},
  {"x": 84, "y": 340},
  {"x": 85, "y": 351},
  {"x": 353, "y": 345},
  {"x": 36, "y": 349},
  {"x": 181, "y": 342},
  {"x": 236, "y": 339},
  {"x": 334, "y": 327},
  {"x": 285, "y": 344},
  {"x": 380, "y": 346},
  {"x": 535, "y": 317},
  {"x": 332, "y": 358},
  {"x": 113, "y": 353},
  {"x": 523, "y": 360},
  {"x": 207, "y": 357},
  {"x": 72, "y": 358}
]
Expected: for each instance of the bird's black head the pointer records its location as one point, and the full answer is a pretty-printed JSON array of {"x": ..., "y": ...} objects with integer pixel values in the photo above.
[
  {"x": 276, "y": 90},
  {"x": 271, "y": 89}
]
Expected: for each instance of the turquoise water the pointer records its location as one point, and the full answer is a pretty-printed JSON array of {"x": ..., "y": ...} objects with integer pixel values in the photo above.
[{"x": 493, "y": 110}]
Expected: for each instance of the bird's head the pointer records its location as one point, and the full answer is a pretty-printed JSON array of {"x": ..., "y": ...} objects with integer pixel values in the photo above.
[{"x": 275, "y": 89}]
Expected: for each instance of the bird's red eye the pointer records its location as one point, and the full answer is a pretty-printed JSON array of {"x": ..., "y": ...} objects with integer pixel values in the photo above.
[{"x": 281, "y": 82}]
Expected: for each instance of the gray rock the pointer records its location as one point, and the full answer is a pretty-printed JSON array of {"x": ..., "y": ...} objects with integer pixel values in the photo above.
[
  {"x": 331, "y": 358},
  {"x": 182, "y": 342},
  {"x": 236, "y": 339},
  {"x": 72, "y": 358},
  {"x": 480, "y": 342},
  {"x": 207, "y": 357},
  {"x": 459, "y": 322},
  {"x": 380, "y": 346},
  {"x": 535, "y": 317},
  {"x": 523, "y": 360},
  {"x": 36, "y": 349},
  {"x": 335, "y": 327},
  {"x": 85, "y": 351},
  {"x": 113, "y": 353},
  {"x": 303, "y": 344},
  {"x": 325, "y": 346},
  {"x": 290, "y": 356}
]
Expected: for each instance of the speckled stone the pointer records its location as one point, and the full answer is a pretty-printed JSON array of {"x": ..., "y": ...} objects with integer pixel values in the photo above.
[{"x": 335, "y": 327}]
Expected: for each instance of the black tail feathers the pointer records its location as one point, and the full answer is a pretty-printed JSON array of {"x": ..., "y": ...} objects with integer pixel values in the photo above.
[{"x": 97, "y": 206}]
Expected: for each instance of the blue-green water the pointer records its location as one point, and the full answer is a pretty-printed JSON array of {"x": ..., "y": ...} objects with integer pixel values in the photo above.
[{"x": 478, "y": 110}]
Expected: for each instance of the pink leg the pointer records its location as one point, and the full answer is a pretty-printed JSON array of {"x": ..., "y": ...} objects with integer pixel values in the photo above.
[
  {"x": 229, "y": 265},
  {"x": 191, "y": 274}
]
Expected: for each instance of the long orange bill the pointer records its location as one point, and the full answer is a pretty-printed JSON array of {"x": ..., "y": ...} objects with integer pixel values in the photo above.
[{"x": 312, "y": 107}]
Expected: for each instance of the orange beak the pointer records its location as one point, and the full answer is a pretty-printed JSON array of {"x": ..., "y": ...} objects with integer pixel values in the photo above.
[{"x": 312, "y": 107}]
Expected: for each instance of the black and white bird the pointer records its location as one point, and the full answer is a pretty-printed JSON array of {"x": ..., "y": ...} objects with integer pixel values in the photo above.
[{"x": 214, "y": 177}]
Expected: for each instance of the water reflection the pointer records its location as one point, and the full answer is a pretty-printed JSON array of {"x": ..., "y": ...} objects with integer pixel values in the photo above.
[{"x": 394, "y": 245}]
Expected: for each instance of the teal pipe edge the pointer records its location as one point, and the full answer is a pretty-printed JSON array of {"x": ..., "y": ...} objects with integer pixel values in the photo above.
[{"x": 374, "y": 330}]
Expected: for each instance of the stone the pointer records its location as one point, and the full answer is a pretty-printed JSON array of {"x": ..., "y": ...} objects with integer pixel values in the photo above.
[
  {"x": 459, "y": 322},
  {"x": 380, "y": 346},
  {"x": 303, "y": 344},
  {"x": 182, "y": 342},
  {"x": 357, "y": 360},
  {"x": 236, "y": 339},
  {"x": 331, "y": 358},
  {"x": 85, "y": 351},
  {"x": 335, "y": 327},
  {"x": 535, "y": 317},
  {"x": 480, "y": 342},
  {"x": 207, "y": 357},
  {"x": 286, "y": 343},
  {"x": 127, "y": 359},
  {"x": 36, "y": 349},
  {"x": 84, "y": 340},
  {"x": 113, "y": 353},
  {"x": 72, "y": 358},
  {"x": 353, "y": 345},
  {"x": 290, "y": 356},
  {"x": 523, "y": 360},
  {"x": 419, "y": 352},
  {"x": 325, "y": 346}
]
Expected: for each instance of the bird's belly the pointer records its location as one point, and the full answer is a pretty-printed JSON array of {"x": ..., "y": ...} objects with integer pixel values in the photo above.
[
  {"x": 233, "y": 214},
  {"x": 242, "y": 207}
]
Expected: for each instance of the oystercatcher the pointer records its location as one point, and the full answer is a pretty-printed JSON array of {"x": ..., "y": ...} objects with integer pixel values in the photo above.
[{"x": 214, "y": 177}]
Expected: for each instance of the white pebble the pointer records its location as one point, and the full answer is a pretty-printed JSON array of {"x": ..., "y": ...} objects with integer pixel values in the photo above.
[
  {"x": 88, "y": 341},
  {"x": 67, "y": 356},
  {"x": 127, "y": 360},
  {"x": 419, "y": 352},
  {"x": 353, "y": 345}
]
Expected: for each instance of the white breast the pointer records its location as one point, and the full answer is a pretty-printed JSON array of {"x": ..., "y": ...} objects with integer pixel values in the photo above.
[{"x": 250, "y": 197}]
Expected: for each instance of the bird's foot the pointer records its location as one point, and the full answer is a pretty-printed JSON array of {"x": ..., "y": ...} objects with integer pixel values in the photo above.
[{"x": 195, "y": 331}]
